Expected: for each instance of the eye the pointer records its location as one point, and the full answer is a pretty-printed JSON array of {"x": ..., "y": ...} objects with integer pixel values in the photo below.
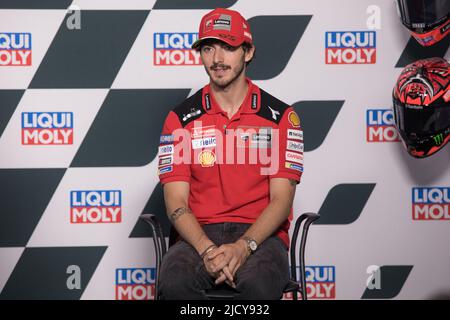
[{"x": 207, "y": 49}]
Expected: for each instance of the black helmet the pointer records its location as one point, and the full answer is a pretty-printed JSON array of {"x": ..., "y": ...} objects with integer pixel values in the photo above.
[{"x": 428, "y": 20}]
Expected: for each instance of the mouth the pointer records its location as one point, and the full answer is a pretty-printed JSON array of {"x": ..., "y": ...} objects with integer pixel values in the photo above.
[{"x": 219, "y": 71}]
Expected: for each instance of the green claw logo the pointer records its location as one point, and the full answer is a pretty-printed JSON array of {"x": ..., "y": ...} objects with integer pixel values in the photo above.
[{"x": 438, "y": 139}]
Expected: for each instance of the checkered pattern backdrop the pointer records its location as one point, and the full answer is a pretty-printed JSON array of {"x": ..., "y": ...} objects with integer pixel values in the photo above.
[{"x": 85, "y": 87}]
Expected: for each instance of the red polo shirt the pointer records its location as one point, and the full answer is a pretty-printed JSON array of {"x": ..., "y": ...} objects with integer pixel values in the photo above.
[{"x": 229, "y": 162}]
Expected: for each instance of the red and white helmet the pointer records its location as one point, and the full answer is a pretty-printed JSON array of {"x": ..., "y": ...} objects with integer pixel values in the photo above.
[{"x": 421, "y": 99}]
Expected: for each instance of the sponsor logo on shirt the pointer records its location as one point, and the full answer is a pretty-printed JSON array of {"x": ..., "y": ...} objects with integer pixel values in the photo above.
[
  {"x": 207, "y": 158},
  {"x": 200, "y": 132},
  {"x": 294, "y": 157},
  {"x": 262, "y": 139},
  {"x": 163, "y": 161},
  {"x": 294, "y": 120},
  {"x": 294, "y": 146},
  {"x": 295, "y": 134},
  {"x": 165, "y": 170},
  {"x": 253, "y": 137},
  {"x": 166, "y": 138},
  {"x": 193, "y": 113},
  {"x": 166, "y": 149},
  {"x": 294, "y": 166},
  {"x": 204, "y": 143}
]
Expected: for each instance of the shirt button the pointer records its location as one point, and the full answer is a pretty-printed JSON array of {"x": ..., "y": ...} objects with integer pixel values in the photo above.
[{"x": 224, "y": 126}]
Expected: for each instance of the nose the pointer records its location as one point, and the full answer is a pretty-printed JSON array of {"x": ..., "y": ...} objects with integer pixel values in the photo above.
[{"x": 218, "y": 55}]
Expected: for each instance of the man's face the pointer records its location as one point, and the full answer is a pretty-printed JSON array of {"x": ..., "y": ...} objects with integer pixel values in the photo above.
[{"x": 222, "y": 62}]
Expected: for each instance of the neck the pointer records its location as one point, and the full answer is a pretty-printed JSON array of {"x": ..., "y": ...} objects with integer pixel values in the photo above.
[{"x": 231, "y": 97}]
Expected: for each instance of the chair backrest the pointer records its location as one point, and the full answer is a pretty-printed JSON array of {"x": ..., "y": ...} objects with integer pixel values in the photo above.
[{"x": 307, "y": 219}]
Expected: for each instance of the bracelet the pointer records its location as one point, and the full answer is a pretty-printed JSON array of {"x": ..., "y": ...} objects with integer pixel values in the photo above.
[{"x": 208, "y": 250}]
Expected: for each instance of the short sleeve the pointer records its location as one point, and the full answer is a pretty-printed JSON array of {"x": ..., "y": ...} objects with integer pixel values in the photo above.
[
  {"x": 171, "y": 164},
  {"x": 290, "y": 147}
]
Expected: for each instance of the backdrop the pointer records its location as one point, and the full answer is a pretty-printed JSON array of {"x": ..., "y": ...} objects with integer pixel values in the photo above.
[{"x": 85, "y": 87}]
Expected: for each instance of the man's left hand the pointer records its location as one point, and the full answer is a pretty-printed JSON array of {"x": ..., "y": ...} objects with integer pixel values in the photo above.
[{"x": 234, "y": 256}]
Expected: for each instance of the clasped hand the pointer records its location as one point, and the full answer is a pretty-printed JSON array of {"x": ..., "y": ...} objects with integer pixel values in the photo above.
[{"x": 223, "y": 262}]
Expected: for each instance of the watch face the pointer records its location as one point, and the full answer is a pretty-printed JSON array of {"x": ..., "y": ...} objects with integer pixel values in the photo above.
[{"x": 253, "y": 245}]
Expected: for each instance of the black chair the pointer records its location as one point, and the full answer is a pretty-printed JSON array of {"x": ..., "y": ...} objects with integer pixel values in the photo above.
[{"x": 223, "y": 292}]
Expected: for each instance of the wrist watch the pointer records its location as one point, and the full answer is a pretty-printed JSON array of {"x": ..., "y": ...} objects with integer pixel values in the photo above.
[{"x": 252, "y": 245}]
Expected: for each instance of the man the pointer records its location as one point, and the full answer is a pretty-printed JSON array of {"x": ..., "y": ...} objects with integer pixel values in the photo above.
[{"x": 230, "y": 206}]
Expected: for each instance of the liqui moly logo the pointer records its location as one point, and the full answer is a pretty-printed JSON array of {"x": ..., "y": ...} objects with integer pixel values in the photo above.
[
  {"x": 431, "y": 203},
  {"x": 380, "y": 126},
  {"x": 15, "y": 49},
  {"x": 47, "y": 128},
  {"x": 350, "y": 47},
  {"x": 320, "y": 282},
  {"x": 135, "y": 283},
  {"x": 174, "y": 49},
  {"x": 96, "y": 206}
]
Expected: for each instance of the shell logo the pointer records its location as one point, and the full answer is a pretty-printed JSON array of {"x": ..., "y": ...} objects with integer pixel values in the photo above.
[
  {"x": 294, "y": 119},
  {"x": 207, "y": 158}
]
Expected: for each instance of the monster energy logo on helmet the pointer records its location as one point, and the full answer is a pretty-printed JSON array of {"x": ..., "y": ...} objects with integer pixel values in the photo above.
[{"x": 438, "y": 139}]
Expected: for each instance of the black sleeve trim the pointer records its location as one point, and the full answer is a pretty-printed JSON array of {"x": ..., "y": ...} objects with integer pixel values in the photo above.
[
  {"x": 271, "y": 109},
  {"x": 190, "y": 109}
]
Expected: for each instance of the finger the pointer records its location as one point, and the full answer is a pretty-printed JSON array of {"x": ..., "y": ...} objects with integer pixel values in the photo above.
[
  {"x": 231, "y": 284},
  {"x": 227, "y": 273},
  {"x": 215, "y": 253},
  {"x": 221, "y": 279},
  {"x": 219, "y": 262},
  {"x": 224, "y": 279},
  {"x": 213, "y": 262},
  {"x": 233, "y": 266},
  {"x": 220, "y": 265}
]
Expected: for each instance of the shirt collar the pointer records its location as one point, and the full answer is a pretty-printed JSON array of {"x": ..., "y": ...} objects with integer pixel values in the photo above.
[{"x": 251, "y": 104}]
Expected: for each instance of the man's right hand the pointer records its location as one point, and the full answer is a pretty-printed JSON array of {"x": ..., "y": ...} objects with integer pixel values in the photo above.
[
  {"x": 234, "y": 256},
  {"x": 211, "y": 265}
]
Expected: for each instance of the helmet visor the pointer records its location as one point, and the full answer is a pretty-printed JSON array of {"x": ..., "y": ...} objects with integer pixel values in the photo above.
[
  {"x": 423, "y": 14},
  {"x": 421, "y": 120}
]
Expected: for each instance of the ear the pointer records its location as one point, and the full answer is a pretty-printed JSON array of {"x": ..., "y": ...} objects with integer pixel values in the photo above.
[{"x": 249, "y": 53}]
